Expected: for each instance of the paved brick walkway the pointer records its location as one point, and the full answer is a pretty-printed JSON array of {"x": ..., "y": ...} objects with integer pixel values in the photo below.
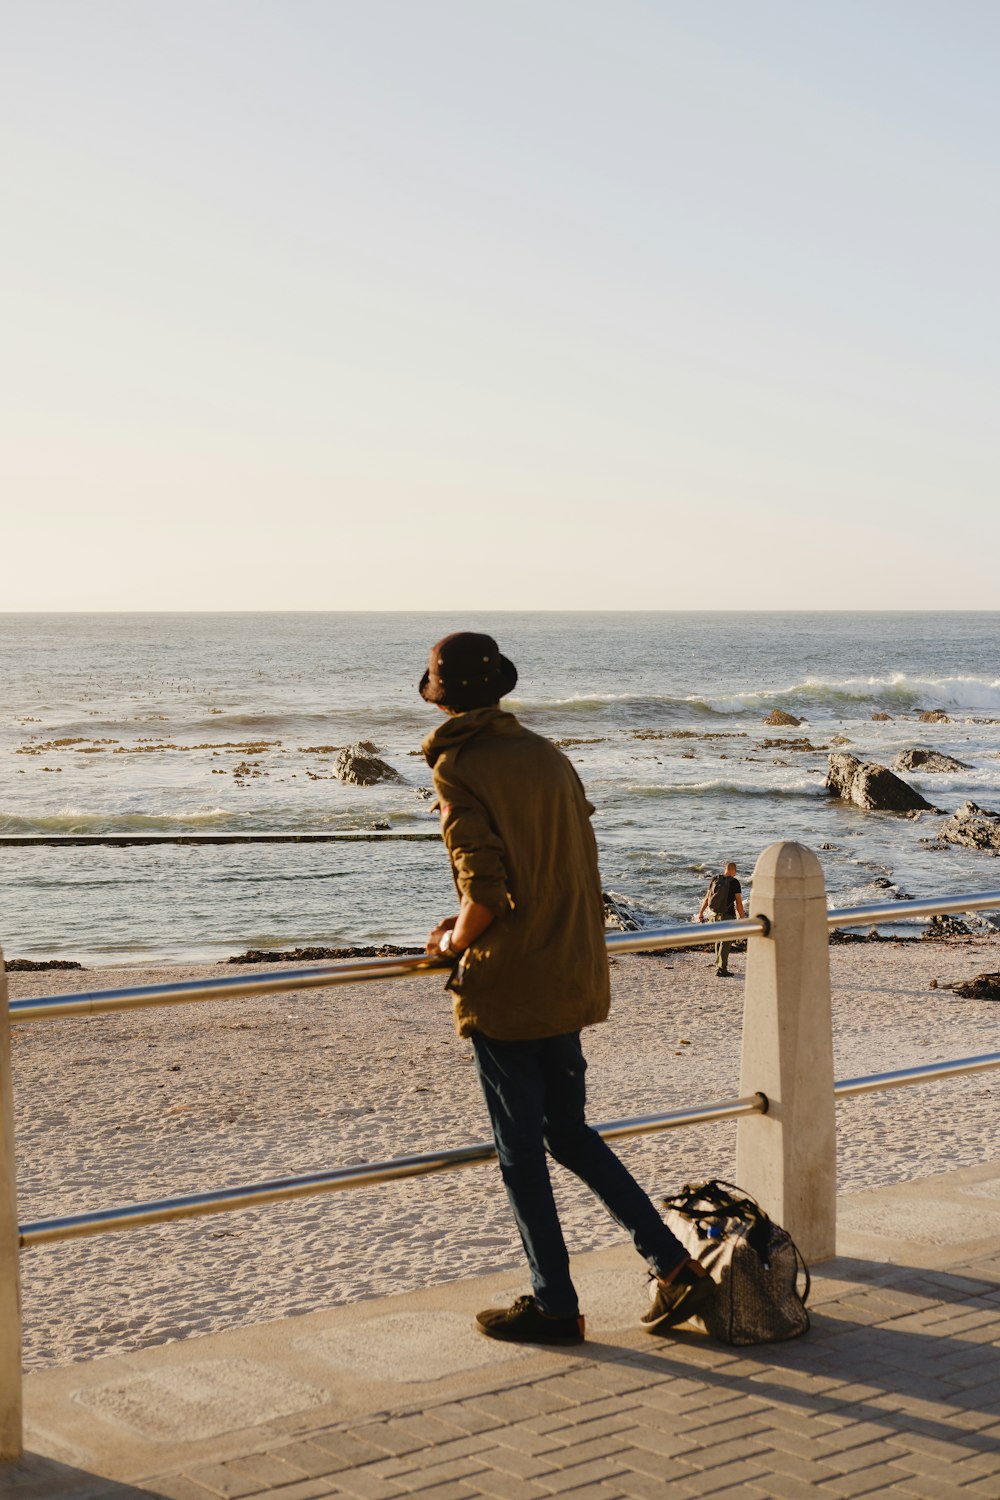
[{"x": 895, "y": 1391}]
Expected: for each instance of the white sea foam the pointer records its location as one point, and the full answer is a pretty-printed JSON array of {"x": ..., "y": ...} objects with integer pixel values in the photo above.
[
  {"x": 641, "y": 696},
  {"x": 82, "y": 820},
  {"x": 833, "y": 695}
]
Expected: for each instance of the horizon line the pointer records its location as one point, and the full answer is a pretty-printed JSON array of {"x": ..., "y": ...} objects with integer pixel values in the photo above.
[{"x": 490, "y": 610}]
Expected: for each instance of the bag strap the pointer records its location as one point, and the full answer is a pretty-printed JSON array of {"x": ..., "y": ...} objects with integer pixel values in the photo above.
[
  {"x": 800, "y": 1265},
  {"x": 718, "y": 1199},
  {"x": 740, "y": 1195},
  {"x": 721, "y": 1197}
]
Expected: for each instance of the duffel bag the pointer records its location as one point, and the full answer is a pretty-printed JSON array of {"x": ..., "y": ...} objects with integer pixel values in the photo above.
[{"x": 754, "y": 1263}]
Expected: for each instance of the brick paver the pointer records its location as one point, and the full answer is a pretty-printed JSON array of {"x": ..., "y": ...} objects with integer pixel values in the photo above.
[{"x": 895, "y": 1392}]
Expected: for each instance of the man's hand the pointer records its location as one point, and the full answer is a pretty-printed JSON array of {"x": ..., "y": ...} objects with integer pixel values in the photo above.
[
  {"x": 471, "y": 922},
  {"x": 433, "y": 945}
]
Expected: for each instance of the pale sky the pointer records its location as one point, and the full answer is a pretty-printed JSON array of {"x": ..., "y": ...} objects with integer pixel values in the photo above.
[{"x": 500, "y": 304}]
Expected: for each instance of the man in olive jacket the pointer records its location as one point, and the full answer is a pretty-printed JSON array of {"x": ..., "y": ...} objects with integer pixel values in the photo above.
[{"x": 531, "y": 969}]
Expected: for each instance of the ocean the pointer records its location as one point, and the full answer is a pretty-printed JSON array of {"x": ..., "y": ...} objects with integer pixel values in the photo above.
[{"x": 187, "y": 723}]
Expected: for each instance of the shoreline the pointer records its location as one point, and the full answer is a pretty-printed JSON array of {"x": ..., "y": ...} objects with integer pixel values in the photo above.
[
  {"x": 113, "y": 1109},
  {"x": 253, "y": 956}
]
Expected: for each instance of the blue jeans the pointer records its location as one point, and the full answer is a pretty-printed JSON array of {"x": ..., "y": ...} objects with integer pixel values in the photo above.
[{"x": 536, "y": 1097}]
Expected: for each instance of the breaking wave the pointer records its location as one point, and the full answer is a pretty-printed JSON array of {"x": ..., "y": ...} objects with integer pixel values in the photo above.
[
  {"x": 897, "y": 693},
  {"x": 76, "y": 820},
  {"x": 725, "y": 789}
]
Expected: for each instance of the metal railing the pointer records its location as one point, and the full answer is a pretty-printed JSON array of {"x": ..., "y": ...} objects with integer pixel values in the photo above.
[
  {"x": 904, "y": 911},
  {"x": 252, "y": 1195},
  {"x": 52, "y": 1007},
  {"x": 350, "y": 971},
  {"x": 345, "y": 971},
  {"x": 247, "y": 1195}
]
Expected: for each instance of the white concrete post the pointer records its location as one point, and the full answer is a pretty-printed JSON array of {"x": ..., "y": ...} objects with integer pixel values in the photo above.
[
  {"x": 11, "y": 1435},
  {"x": 788, "y": 1158}
]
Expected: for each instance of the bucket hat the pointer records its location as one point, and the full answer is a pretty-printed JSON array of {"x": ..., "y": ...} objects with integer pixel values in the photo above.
[{"x": 466, "y": 670}]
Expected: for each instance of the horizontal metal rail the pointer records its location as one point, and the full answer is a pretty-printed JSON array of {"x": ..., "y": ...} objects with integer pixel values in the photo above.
[
  {"x": 253, "y": 1195},
  {"x": 690, "y": 935},
  {"x": 871, "y": 1083},
  {"x": 231, "y": 987},
  {"x": 126, "y": 840},
  {"x": 345, "y": 971},
  {"x": 353, "y": 971},
  {"x": 905, "y": 911}
]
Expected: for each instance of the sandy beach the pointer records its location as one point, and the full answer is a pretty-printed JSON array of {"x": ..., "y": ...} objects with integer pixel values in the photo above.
[{"x": 157, "y": 1103}]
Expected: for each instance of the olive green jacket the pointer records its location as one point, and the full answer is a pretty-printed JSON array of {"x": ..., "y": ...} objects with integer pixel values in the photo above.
[{"x": 516, "y": 824}]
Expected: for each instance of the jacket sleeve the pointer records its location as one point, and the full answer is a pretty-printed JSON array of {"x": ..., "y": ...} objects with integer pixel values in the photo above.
[
  {"x": 588, "y": 805},
  {"x": 474, "y": 847}
]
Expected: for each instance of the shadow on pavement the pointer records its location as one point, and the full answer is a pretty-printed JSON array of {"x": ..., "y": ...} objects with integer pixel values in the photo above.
[
  {"x": 35, "y": 1477},
  {"x": 939, "y": 1386},
  {"x": 942, "y": 1284}
]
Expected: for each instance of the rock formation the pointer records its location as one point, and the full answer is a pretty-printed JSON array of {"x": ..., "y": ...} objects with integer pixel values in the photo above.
[
  {"x": 983, "y": 987},
  {"x": 790, "y": 744},
  {"x": 945, "y": 927},
  {"x": 974, "y": 828},
  {"x": 314, "y": 955},
  {"x": 361, "y": 767},
  {"x": 918, "y": 759},
  {"x": 934, "y": 716},
  {"x": 871, "y": 786},
  {"x": 778, "y": 716},
  {"x": 36, "y": 965},
  {"x": 617, "y": 914}
]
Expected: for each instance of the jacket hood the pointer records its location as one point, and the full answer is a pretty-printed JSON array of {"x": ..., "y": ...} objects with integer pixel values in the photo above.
[{"x": 458, "y": 729}]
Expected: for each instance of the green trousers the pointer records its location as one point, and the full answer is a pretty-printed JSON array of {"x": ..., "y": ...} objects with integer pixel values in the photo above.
[{"x": 722, "y": 949}]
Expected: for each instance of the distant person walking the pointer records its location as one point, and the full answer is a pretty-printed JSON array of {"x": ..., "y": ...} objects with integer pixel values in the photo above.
[
  {"x": 724, "y": 902},
  {"x": 531, "y": 969}
]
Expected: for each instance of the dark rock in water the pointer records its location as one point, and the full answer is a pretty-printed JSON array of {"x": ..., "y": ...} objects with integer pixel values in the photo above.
[
  {"x": 313, "y": 955},
  {"x": 934, "y": 716},
  {"x": 974, "y": 828},
  {"x": 778, "y": 716},
  {"x": 983, "y": 987},
  {"x": 359, "y": 766},
  {"x": 882, "y": 718},
  {"x": 618, "y": 915},
  {"x": 37, "y": 965},
  {"x": 870, "y": 785},
  {"x": 791, "y": 744},
  {"x": 380, "y": 825},
  {"x": 945, "y": 927},
  {"x": 918, "y": 759}
]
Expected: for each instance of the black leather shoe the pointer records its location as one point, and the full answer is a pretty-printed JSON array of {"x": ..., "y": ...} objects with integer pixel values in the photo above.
[{"x": 525, "y": 1323}]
